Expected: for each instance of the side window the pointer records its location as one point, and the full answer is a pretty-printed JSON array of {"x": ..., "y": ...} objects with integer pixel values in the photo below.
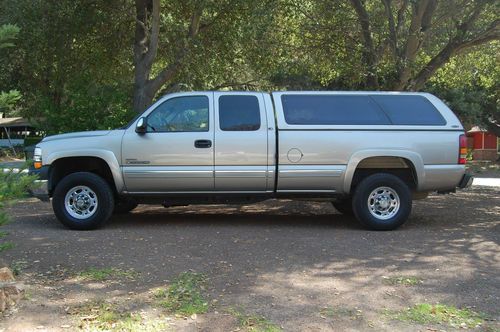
[
  {"x": 410, "y": 110},
  {"x": 180, "y": 114},
  {"x": 239, "y": 113},
  {"x": 332, "y": 110}
]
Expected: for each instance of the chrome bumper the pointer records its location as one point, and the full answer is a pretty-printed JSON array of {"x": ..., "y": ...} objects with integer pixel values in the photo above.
[{"x": 41, "y": 190}]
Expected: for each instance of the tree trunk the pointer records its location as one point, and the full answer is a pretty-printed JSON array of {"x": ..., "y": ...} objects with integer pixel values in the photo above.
[
  {"x": 142, "y": 68},
  {"x": 143, "y": 97},
  {"x": 147, "y": 28},
  {"x": 369, "y": 54},
  {"x": 421, "y": 16}
]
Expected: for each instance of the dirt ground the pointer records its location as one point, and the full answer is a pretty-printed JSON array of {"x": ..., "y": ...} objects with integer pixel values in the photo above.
[{"x": 289, "y": 262}]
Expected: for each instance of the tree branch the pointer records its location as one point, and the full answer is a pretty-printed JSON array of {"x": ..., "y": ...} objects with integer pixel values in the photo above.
[
  {"x": 141, "y": 31},
  {"x": 171, "y": 70},
  {"x": 393, "y": 39},
  {"x": 369, "y": 53},
  {"x": 401, "y": 15},
  {"x": 248, "y": 84},
  {"x": 421, "y": 16},
  {"x": 455, "y": 46},
  {"x": 155, "y": 32}
]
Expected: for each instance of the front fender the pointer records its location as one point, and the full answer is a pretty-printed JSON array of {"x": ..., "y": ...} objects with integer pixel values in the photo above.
[
  {"x": 108, "y": 156},
  {"x": 357, "y": 157}
]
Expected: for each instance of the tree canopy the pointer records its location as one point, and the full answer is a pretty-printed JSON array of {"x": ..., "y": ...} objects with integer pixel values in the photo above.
[{"x": 94, "y": 64}]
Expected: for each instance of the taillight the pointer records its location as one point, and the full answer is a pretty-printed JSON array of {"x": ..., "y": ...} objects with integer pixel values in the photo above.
[{"x": 462, "y": 152}]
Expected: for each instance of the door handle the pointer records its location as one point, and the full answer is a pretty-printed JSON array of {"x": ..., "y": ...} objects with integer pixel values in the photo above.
[{"x": 203, "y": 143}]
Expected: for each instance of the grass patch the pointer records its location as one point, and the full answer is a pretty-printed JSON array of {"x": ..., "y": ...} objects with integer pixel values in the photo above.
[
  {"x": 254, "y": 323},
  {"x": 184, "y": 296},
  {"x": 95, "y": 274},
  {"x": 403, "y": 280},
  {"x": 17, "y": 267},
  {"x": 425, "y": 313},
  {"x": 102, "y": 316},
  {"x": 337, "y": 312},
  {"x": 3, "y": 234},
  {"x": 27, "y": 294},
  {"x": 6, "y": 246}
]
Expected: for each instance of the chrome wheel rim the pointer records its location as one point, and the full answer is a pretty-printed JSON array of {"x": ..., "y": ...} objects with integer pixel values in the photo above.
[
  {"x": 81, "y": 202},
  {"x": 383, "y": 203}
]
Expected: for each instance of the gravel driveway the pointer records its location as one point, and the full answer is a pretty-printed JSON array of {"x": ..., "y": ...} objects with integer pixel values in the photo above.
[{"x": 300, "y": 265}]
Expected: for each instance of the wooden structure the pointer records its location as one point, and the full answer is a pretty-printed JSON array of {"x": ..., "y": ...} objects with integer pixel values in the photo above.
[{"x": 484, "y": 145}]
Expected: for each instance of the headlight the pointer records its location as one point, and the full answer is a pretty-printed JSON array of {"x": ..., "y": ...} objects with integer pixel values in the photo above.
[{"x": 37, "y": 158}]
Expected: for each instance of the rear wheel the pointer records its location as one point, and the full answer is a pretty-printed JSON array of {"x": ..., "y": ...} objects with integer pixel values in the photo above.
[
  {"x": 344, "y": 206},
  {"x": 83, "y": 201},
  {"x": 382, "y": 202}
]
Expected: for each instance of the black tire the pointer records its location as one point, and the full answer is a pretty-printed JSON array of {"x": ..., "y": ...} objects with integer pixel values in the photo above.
[
  {"x": 344, "y": 206},
  {"x": 124, "y": 205},
  {"x": 362, "y": 210},
  {"x": 103, "y": 195}
]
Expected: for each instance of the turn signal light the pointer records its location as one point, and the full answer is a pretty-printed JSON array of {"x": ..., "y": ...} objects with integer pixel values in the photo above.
[
  {"x": 37, "y": 164},
  {"x": 462, "y": 150}
]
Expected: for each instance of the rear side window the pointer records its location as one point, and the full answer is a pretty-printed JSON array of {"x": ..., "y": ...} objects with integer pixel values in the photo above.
[
  {"x": 239, "y": 113},
  {"x": 410, "y": 110},
  {"x": 332, "y": 110}
]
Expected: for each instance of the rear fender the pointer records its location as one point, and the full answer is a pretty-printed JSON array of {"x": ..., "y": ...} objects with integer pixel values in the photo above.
[{"x": 357, "y": 157}]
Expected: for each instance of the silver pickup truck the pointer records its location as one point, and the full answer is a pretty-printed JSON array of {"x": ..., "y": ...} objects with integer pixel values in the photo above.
[{"x": 369, "y": 153}]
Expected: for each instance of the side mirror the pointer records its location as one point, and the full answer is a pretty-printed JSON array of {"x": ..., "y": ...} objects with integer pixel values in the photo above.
[{"x": 142, "y": 126}]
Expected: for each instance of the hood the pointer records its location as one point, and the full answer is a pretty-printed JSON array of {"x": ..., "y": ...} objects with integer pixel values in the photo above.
[{"x": 79, "y": 134}]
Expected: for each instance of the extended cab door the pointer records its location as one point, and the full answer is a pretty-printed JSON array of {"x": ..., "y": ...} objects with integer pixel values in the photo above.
[
  {"x": 241, "y": 142},
  {"x": 176, "y": 154}
]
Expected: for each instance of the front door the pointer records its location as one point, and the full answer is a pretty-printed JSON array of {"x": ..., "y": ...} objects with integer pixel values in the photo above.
[
  {"x": 241, "y": 149},
  {"x": 176, "y": 154}
]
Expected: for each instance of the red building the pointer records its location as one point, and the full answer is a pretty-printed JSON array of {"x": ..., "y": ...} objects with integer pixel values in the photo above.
[{"x": 484, "y": 145}]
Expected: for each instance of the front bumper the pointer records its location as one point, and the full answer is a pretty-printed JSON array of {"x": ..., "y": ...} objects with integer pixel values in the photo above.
[
  {"x": 466, "y": 181},
  {"x": 41, "y": 188}
]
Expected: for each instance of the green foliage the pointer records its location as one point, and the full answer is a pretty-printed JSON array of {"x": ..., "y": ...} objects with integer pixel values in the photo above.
[
  {"x": 8, "y": 32},
  {"x": 18, "y": 266},
  {"x": 339, "y": 312},
  {"x": 6, "y": 246},
  {"x": 403, "y": 280},
  {"x": 73, "y": 61},
  {"x": 103, "y": 316},
  {"x": 254, "y": 323},
  {"x": 470, "y": 85},
  {"x": 72, "y": 64},
  {"x": 13, "y": 186},
  {"x": 184, "y": 296},
  {"x": 8, "y": 100},
  {"x": 84, "y": 107},
  {"x": 439, "y": 313},
  {"x": 29, "y": 141},
  {"x": 101, "y": 274}
]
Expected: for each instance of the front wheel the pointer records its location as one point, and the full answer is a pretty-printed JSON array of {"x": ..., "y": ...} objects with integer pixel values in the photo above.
[
  {"x": 83, "y": 201},
  {"x": 382, "y": 202}
]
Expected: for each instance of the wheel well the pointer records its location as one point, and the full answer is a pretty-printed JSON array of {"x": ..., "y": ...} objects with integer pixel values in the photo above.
[
  {"x": 400, "y": 167},
  {"x": 65, "y": 166}
]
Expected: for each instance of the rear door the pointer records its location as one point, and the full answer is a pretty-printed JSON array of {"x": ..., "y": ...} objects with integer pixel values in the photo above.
[{"x": 241, "y": 142}]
